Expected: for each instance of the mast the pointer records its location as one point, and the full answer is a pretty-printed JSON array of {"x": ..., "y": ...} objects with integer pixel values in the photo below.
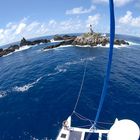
[{"x": 106, "y": 80}]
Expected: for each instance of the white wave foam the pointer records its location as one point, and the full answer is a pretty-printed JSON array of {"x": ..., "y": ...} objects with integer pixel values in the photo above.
[
  {"x": 133, "y": 43},
  {"x": 61, "y": 47},
  {"x": 64, "y": 46},
  {"x": 46, "y": 50},
  {"x": 3, "y": 94},
  {"x": 88, "y": 59},
  {"x": 26, "y": 87},
  {"x": 72, "y": 63},
  {"x": 80, "y": 61},
  {"x": 115, "y": 46},
  {"x": 63, "y": 68},
  {"x": 83, "y": 46},
  {"x": 8, "y": 54},
  {"x": 20, "y": 49},
  {"x": 23, "y": 48},
  {"x": 58, "y": 48},
  {"x": 108, "y": 45},
  {"x": 58, "y": 70},
  {"x": 55, "y": 41},
  {"x": 34, "y": 138}
]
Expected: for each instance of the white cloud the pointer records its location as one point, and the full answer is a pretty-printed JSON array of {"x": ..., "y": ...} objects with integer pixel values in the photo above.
[
  {"x": 67, "y": 26},
  {"x": 20, "y": 28},
  {"x": 80, "y": 10},
  {"x": 42, "y": 30},
  {"x": 128, "y": 19},
  {"x": 52, "y": 23},
  {"x": 32, "y": 26},
  {"x": 93, "y": 20},
  {"x": 118, "y": 3},
  {"x": 14, "y": 31}
]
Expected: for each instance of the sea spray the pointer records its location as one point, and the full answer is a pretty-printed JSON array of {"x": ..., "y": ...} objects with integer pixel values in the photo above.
[{"x": 26, "y": 87}]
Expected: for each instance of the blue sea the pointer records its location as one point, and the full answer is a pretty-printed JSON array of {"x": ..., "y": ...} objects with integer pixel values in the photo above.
[{"x": 38, "y": 89}]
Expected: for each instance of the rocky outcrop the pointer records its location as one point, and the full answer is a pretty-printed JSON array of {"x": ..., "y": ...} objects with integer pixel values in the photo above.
[
  {"x": 120, "y": 42},
  {"x": 1, "y": 50},
  {"x": 57, "y": 37},
  {"x": 52, "y": 46},
  {"x": 66, "y": 42},
  {"x": 65, "y": 37},
  {"x": 23, "y": 42},
  {"x": 91, "y": 39},
  {"x": 96, "y": 39},
  {"x": 11, "y": 49}
]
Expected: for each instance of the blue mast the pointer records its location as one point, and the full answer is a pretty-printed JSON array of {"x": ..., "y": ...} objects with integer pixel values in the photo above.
[{"x": 106, "y": 80}]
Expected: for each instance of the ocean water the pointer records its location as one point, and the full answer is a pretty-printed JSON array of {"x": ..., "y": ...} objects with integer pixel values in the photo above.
[{"x": 38, "y": 89}]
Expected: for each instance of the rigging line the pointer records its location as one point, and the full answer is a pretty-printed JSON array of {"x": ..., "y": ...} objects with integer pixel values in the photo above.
[
  {"x": 83, "y": 118},
  {"x": 87, "y": 119},
  {"x": 81, "y": 86},
  {"x": 106, "y": 80}
]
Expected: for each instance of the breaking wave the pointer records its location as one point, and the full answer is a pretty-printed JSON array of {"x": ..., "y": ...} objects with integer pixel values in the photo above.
[
  {"x": 55, "y": 41},
  {"x": 20, "y": 49},
  {"x": 64, "y": 46},
  {"x": 58, "y": 48},
  {"x": 8, "y": 54},
  {"x": 26, "y": 87},
  {"x": 108, "y": 45},
  {"x": 133, "y": 43},
  {"x": 99, "y": 45},
  {"x": 23, "y": 48}
]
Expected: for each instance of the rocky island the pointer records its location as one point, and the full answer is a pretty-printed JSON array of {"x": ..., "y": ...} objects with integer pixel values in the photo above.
[
  {"x": 91, "y": 38},
  {"x": 85, "y": 39},
  {"x": 22, "y": 43}
]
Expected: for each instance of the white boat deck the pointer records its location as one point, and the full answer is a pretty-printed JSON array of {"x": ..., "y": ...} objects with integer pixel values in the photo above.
[
  {"x": 120, "y": 130},
  {"x": 89, "y": 130},
  {"x": 74, "y": 133}
]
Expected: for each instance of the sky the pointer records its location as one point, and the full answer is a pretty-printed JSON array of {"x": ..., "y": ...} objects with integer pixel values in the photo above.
[{"x": 35, "y": 18}]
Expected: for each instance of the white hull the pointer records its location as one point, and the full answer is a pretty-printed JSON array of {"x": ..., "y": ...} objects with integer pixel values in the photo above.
[
  {"x": 74, "y": 133},
  {"x": 120, "y": 130}
]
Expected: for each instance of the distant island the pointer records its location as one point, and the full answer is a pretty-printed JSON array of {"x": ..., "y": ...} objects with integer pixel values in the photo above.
[
  {"x": 85, "y": 39},
  {"x": 22, "y": 43},
  {"x": 91, "y": 38}
]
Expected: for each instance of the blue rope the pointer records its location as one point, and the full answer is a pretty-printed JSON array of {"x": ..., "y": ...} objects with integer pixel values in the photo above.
[{"x": 106, "y": 80}]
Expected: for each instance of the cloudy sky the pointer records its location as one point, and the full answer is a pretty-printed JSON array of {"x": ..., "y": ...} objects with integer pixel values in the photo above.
[{"x": 33, "y": 18}]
